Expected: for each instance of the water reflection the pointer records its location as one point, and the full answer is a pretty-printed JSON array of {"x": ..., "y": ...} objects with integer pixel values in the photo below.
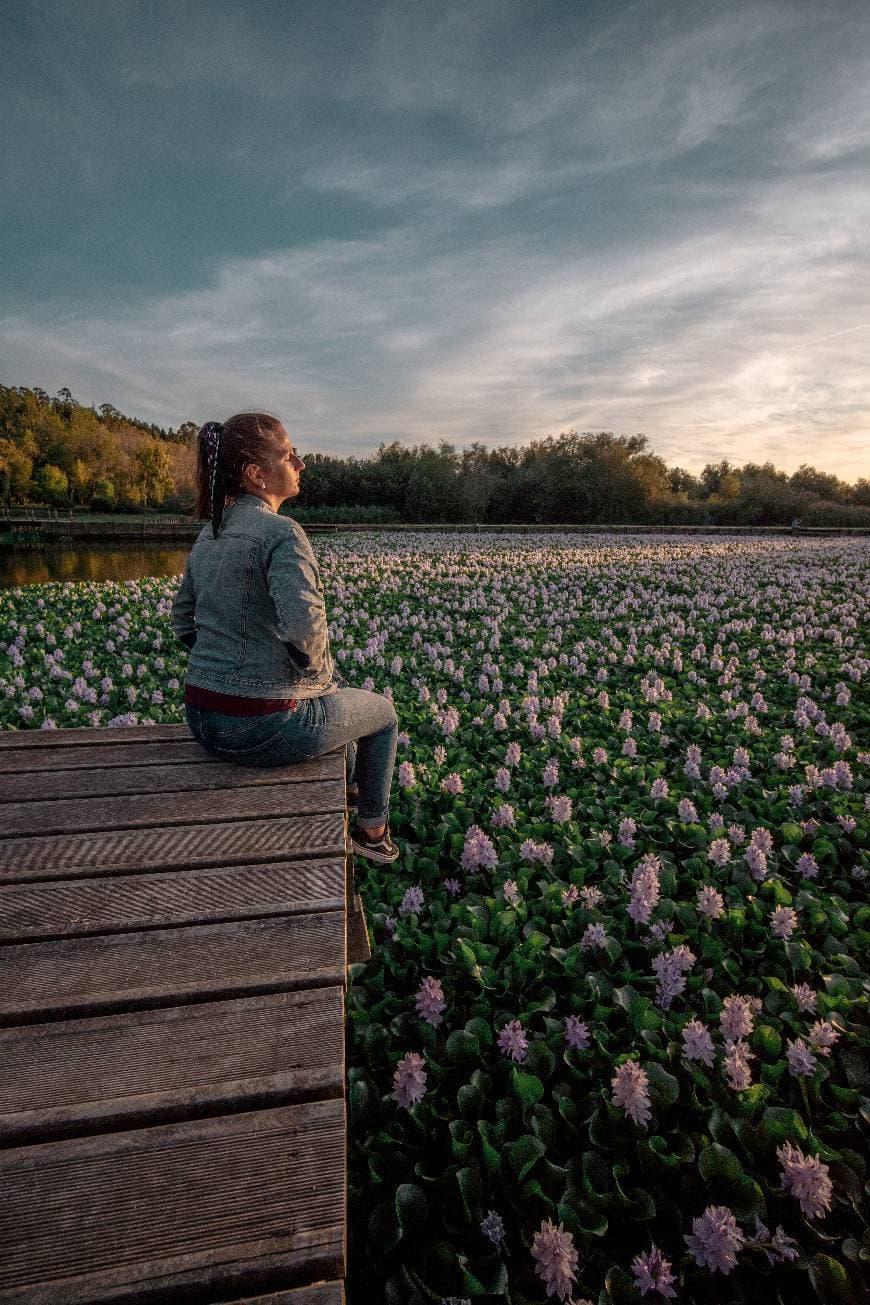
[{"x": 36, "y": 566}]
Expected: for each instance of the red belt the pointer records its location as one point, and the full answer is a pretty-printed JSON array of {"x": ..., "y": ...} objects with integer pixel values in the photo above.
[{"x": 232, "y": 705}]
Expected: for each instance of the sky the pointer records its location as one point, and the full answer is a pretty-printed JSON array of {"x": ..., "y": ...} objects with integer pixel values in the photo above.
[{"x": 420, "y": 220}]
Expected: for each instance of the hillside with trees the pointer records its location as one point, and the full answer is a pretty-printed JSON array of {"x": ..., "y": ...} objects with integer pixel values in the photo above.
[{"x": 57, "y": 453}]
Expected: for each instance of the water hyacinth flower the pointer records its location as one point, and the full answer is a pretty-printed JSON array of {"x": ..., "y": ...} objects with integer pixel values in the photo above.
[
  {"x": 503, "y": 816},
  {"x": 430, "y": 1000},
  {"x": 570, "y": 895},
  {"x": 599, "y": 756},
  {"x": 555, "y": 1259},
  {"x": 626, "y": 832},
  {"x": 736, "y": 1065},
  {"x": 822, "y": 1037},
  {"x": 659, "y": 789},
  {"x": 710, "y": 902},
  {"x": 671, "y": 968},
  {"x": 629, "y": 1091},
  {"x": 801, "y": 1061},
  {"x": 697, "y": 1043},
  {"x": 452, "y": 886},
  {"x": 644, "y": 888},
  {"x": 576, "y": 1032},
  {"x": 532, "y": 852},
  {"x": 737, "y": 1016},
  {"x": 715, "y": 1240},
  {"x": 807, "y": 1178},
  {"x": 412, "y": 902},
  {"x": 805, "y": 997},
  {"x": 756, "y": 860},
  {"x": 591, "y": 896},
  {"x": 452, "y": 783},
  {"x": 409, "y": 1080},
  {"x": 513, "y": 754},
  {"x": 807, "y": 866},
  {"x": 687, "y": 812},
  {"x": 510, "y": 892},
  {"x": 593, "y": 936},
  {"x": 407, "y": 778},
  {"x": 783, "y": 922},
  {"x": 652, "y": 1272},
  {"x": 492, "y": 1226},
  {"x": 478, "y": 851},
  {"x": 512, "y": 1041},
  {"x": 502, "y": 779},
  {"x": 719, "y": 851},
  {"x": 561, "y": 808}
]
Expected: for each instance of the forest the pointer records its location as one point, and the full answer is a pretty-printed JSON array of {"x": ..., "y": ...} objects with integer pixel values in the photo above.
[{"x": 58, "y": 453}]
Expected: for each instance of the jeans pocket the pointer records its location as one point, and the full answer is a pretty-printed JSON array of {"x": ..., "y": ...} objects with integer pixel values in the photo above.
[{"x": 271, "y": 751}]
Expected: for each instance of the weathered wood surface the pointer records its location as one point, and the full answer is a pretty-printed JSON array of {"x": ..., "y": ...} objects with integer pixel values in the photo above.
[
  {"x": 185, "y": 847},
  {"x": 113, "y": 1217},
  {"x": 99, "y": 1075},
  {"x": 175, "y": 937},
  {"x": 30, "y": 912}
]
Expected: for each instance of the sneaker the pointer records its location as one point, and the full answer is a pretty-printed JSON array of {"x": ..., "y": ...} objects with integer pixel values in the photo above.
[{"x": 381, "y": 849}]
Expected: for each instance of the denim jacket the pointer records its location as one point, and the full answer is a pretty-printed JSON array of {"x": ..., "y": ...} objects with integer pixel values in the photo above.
[{"x": 250, "y": 607}]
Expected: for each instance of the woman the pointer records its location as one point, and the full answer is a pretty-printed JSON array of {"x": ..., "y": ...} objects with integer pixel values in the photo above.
[{"x": 261, "y": 688}]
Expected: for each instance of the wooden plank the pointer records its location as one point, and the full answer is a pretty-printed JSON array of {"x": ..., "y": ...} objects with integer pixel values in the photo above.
[
  {"x": 40, "y": 764},
  {"x": 185, "y": 847},
  {"x": 87, "y": 734},
  {"x": 197, "y": 1205},
  {"x": 108, "y": 1073},
  {"x": 15, "y": 760},
  {"x": 317, "y": 1293},
  {"x": 358, "y": 944},
  {"x": 78, "y": 815},
  {"x": 129, "y": 971},
  {"x": 55, "y": 785},
  {"x": 66, "y": 908}
]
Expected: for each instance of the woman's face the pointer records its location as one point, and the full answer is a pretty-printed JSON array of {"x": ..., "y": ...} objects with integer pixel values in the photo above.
[{"x": 277, "y": 480}]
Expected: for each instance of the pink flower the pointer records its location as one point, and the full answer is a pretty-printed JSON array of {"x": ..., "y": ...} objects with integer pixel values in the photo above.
[
  {"x": 513, "y": 1041},
  {"x": 412, "y": 902},
  {"x": 806, "y": 866},
  {"x": 599, "y": 756},
  {"x": 555, "y": 1259},
  {"x": 697, "y": 1043},
  {"x": 430, "y": 1000},
  {"x": 626, "y": 832},
  {"x": 645, "y": 889},
  {"x": 551, "y": 773},
  {"x": 710, "y": 902},
  {"x": 687, "y": 812},
  {"x": 409, "y": 1080},
  {"x": 452, "y": 783},
  {"x": 736, "y": 1065},
  {"x": 756, "y": 859},
  {"x": 503, "y": 816},
  {"x": 513, "y": 754},
  {"x": 719, "y": 851},
  {"x": 531, "y": 851},
  {"x": 801, "y": 1061},
  {"x": 560, "y": 808},
  {"x": 653, "y": 1273},
  {"x": 502, "y": 779},
  {"x": 591, "y": 896},
  {"x": 806, "y": 1177},
  {"x": 671, "y": 968},
  {"x": 783, "y": 922},
  {"x": 629, "y": 747},
  {"x": 805, "y": 997},
  {"x": 629, "y": 1084},
  {"x": 478, "y": 852},
  {"x": 407, "y": 778},
  {"x": 510, "y": 892},
  {"x": 822, "y": 1037},
  {"x": 737, "y": 1016},
  {"x": 593, "y": 936},
  {"x": 576, "y": 1032},
  {"x": 659, "y": 789},
  {"x": 715, "y": 1240}
]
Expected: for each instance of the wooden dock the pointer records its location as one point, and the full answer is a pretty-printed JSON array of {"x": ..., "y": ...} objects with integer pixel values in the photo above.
[{"x": 174, "y": 941}]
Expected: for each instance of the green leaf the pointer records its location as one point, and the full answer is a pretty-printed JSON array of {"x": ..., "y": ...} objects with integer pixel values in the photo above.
[
  {"x": 491, "y": 1157},
  {"x": 470, "y": 1102},
  {"x": 462, "y": 1048},
  {"x": 766, "y": 1040},
  {"x": 528, "y": 1087},
  {"x": 468, "y": 1182},
  {"x": 664, "y": 1087},
  {"x": 524, "y": 1154},
  {"x": 719, "y": 1166},
  {"x": 830, "y": 1281},
  {"x": 779, "y": 1124},
  {"x": 412, "y": 1207},
  {"x": 383, "y": 1229}
]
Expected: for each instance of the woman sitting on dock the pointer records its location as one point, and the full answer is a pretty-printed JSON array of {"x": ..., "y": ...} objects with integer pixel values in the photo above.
[{"x": 261, "y": 688}]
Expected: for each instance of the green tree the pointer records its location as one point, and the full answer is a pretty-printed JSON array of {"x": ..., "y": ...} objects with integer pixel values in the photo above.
[
  {"x": 153, "y": 463},
  {"x": 52, "y": 483}
]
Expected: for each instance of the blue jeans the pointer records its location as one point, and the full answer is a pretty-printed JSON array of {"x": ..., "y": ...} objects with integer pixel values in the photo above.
[{"x": 364, "y": 722}]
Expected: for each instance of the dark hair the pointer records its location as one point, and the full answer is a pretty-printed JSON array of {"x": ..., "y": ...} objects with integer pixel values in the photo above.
[{"x": 246, "y": 437}]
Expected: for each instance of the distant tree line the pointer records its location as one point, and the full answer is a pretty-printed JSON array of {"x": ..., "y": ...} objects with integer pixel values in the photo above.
[{"x": 56, "y": 452}]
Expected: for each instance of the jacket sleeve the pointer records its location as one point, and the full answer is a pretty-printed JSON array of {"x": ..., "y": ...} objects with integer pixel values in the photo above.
[
  {"x": 183, "y": 607},
  {"x": 294, "y": 584}
]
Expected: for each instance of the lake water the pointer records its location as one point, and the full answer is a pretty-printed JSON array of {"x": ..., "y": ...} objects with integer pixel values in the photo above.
[{"x": 36, "y": 566}]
